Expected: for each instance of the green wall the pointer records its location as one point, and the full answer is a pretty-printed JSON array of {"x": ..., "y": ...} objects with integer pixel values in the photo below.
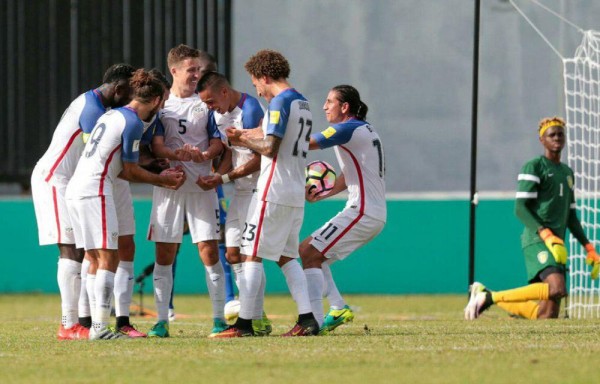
[{"x": 423, "y": 249}]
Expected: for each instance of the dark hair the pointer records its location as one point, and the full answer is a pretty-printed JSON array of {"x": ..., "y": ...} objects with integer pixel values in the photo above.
[
  {"x": 118, "y": 72},
  {"x": 160, "y": 76},
  {"x": 349, "y": 94},
  {"x": 211, "y": 80},
  {"x": 145, "y": 86},
  {"x": 270, "y": 63}
]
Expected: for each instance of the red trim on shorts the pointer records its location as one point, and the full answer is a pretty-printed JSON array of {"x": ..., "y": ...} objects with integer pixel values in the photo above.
[
  {"x": 63, "y": 153},
  {"x": 361, "y": 211},
  {"x": 104, "y": 234},
  {"x": 105, "y": 171},
  {"x": 56, "y": 215},
  {"x": 259, "y": 229}
]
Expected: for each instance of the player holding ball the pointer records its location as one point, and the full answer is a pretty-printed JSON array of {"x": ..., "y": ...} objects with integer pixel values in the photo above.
[{"x": 362, "y": 167}]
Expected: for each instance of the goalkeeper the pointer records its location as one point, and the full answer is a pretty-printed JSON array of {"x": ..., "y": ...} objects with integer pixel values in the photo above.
[{"x": 545, "y": 203}]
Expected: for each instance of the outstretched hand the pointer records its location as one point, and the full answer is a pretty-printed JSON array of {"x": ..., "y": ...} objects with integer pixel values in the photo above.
[{"x": 173, "y": 178}]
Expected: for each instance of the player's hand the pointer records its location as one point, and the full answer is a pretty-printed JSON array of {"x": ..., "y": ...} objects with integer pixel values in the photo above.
[
  {"x": 310, "y": 194},
  {"x": 209, "y": 182},
  {"x": 183, "y": 155},
  {"x": 555, "y": 244},
  {"x": 234, "y": 135},
  {"x": 173, "y": 178},
  {"x": 592, "y": 259},
  {"x": 196, "y": 155}
]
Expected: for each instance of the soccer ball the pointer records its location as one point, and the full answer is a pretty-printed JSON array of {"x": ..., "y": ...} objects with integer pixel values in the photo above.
[
  {"x": 320, "y": 176},
  {"x": 232, "y": 310}
]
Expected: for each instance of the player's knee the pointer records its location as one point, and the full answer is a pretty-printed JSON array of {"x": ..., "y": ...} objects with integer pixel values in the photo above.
[
  {"x": 233, "y": 257},
  {"x": 556, "y": 291}
]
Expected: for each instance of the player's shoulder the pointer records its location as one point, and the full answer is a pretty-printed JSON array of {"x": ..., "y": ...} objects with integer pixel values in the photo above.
[
  {"x": 251, "y": 103},
  {"x": 285, "y": 99}
]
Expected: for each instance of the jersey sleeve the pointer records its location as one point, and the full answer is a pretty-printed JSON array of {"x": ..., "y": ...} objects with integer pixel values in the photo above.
[
  {"x": 278, "y": 115},
  {"x": 132, "y": 134},
  {"x": 212, "y": 127},
  {"x": 90, "y": 114},
  {"x": 528, "y": 181},
  {"x": 156, "y": 129},
  {"x": 252, "y": 113},
  {"x": 336, "y": 134}
]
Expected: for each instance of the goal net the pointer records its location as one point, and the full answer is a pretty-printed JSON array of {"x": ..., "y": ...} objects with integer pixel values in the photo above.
[{"x": 582, "y": 99}]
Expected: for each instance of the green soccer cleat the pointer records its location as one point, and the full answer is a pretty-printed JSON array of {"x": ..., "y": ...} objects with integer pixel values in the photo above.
[
  {"x": 219, "y": 325},
  {"x": 262, "y": 327},
  {"x": 335, "y": 318},
  {"x": 160, "y": 329}
]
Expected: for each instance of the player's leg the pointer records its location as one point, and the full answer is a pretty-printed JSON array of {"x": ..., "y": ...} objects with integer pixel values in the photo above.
[
  {"x": 90, "y": 283},
  {"x": 172, "y": 315},
  {"x": 85, "y": 315},
  {"x": 331, "y": 292},
  {"x": 312, "y": 261},
  {"x": 69, "y": 283},
  {"x": 163, "y": 286}
]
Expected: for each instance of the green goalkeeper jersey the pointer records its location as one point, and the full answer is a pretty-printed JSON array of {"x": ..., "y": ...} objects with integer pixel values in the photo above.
[{"x": 548, "y": 190}]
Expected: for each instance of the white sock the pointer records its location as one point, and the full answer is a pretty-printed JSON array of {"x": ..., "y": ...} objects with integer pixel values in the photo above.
[
  {"x": 336, "y": 301},
  {"x": 215, "y": 281},
  {"x": 163, "y": 285},
  {"x": 259, "y": 303},
  {"x": 105, "y": 284},
  {"x": 123, "y": 288},
  {"x": 296, "y": 281},
  {"x": 253, "y": 276},
  {"x": 238, "y": 272},
  {"x": 90, "y": 285},
  {"x": 84, "y": 301},
  {"x": 314, "y": 280},
  {"x": 69, "y": 284}
]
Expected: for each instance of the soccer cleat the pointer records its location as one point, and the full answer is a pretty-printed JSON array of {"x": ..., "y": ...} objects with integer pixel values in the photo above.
[
  {"x": 219, "y": 325},
  {"x": 480, "y": 299},
  {"x": 306, "y": 328},
  {"x": 106, "y": 333},
  {"x": 76, "y": 332},
  {"x": 160, "y": 329},
  {"x": 130, "y": 331},
  {"x": 335, "y": 318},
  {"x": 262, "y": 327},
  {"x": 232, "y": 332}
]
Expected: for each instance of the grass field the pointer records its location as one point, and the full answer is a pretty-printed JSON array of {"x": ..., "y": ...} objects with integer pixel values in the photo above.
[{"x": 394, "y": 339}]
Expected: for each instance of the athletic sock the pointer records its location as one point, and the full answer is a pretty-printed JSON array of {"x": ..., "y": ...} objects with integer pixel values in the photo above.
[
  {"x": 253, "y": 275},
  {"x": 238, "y": 273},
  {"x": 537, "y": 291},
  {"x": 90, "y": 285},
  {"x": 526, "y": 309},
  {"x": 84, "y": 301},
  {"x": 69, "y": 284},
  {"x": 105, "y": 284},
  {"x": 314, "y": 281},
  {"x": 296, "y": 282},
  {"x": 163, "y": 284},
  {"x": 259, "y": 301},
  {"x": 331, "y": 292},
  {"x": 123, "y": 288},
  {"x": 215, "y": 280}
]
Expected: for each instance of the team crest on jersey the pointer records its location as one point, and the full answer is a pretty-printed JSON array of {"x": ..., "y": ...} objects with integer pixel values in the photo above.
[
  {"x": 542, "y": 257},
  {"x": 570, "y": 181},
  {"x": 199, "y": 111}
]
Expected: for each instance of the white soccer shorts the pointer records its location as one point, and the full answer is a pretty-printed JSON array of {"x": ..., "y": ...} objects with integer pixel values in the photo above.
[
  {"x": 95, "y": 223},
  {"x": 344, "y": 233},
  {"x": 236, "y": 217},
  {"x": 169, "y": 208},
  {"x": 272, "y": 230},
  {"x": 51, "y": 212},
  {"x": 124, "y": 206}
]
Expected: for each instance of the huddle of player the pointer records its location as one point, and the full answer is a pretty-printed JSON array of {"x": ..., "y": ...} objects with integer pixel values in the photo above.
[{"x": 210, "y": 134}]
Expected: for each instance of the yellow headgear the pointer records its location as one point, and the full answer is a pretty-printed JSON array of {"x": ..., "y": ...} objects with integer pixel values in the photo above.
[{"x": 551, "y": 123}]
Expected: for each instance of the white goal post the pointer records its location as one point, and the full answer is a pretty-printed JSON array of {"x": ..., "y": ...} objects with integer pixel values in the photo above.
[{"x": 582, "y": 103}]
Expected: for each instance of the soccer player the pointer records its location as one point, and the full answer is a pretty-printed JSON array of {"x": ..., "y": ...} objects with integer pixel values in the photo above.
[
  {"x": 359, "y": 151},
  {"x": 545, "y": 203},
  {"x": 112, "y": 151},
  {"x": 276, "y": 212},
  {"x": 50, "y": 178},
  {"x": 188, "y": 124},
  {"x": 240, "y": 165}
]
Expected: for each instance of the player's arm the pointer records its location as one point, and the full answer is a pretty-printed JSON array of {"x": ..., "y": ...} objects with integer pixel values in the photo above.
[
  {"x": 339, "y": 186},
  {"x": 162, "y": 151},
  {"x": 269, "y": 146},
  {"x": 170, "y": 178}
]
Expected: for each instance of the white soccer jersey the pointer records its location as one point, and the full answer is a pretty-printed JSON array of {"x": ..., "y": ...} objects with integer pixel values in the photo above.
[
  {"x": 189, "y": 121},
  {"x": 282, "y": 177},
  {"x": 57, "y": 165},
  {"x": 115, "y": 139},
  {"x": 360, "y": 155},
  {"x": 246, "y": 115}
]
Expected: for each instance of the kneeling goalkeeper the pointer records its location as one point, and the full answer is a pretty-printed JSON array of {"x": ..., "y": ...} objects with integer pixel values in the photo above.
[{"x": 545, "y": 203}]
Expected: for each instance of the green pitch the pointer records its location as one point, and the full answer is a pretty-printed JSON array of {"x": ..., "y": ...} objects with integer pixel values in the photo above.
[{"x": 394, "y": 339}]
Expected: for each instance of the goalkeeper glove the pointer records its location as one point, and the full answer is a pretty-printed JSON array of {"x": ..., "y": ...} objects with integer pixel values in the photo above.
[
  {"x": 592, "y": 259},
  {"x": 555, "y": 245}
]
